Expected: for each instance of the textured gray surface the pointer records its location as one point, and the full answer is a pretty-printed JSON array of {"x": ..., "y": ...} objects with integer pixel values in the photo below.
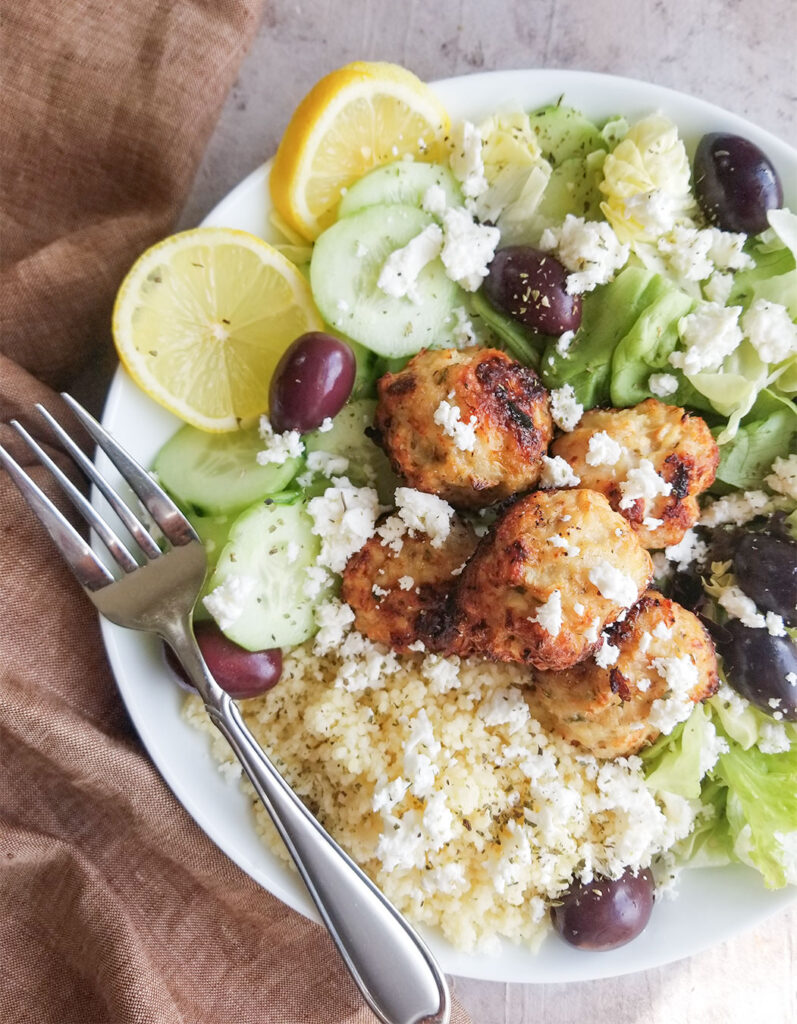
[{"x": 739, "y": 54}]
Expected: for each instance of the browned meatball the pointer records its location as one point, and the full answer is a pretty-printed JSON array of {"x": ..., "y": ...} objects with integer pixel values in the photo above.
[
  {"x": 470, "y": 426},
  {"x": 607, "y": 711},
  {"x": 678, "y": 445},
  {"x": 400, "y": 598},
  {"x": 552, "y": 571}
]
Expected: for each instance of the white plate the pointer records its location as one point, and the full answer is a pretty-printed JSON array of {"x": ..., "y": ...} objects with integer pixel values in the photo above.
[{"x": 713, "y": 904}]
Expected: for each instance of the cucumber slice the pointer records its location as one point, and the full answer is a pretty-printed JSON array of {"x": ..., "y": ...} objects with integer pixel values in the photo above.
[
  {"x": 219, "y": 473},
  {"x": 214, "y": 531},
  {"x": 564, "y": 133},
  {"x": 269, "y": 548},
  {"x": 345, "y": 285},
  {"x": 368, "y": 464},
  {"x": 402, "y": 182}
]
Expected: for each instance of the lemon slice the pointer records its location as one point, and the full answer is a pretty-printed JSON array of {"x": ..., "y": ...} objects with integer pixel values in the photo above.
[
  {"x": 360, "y": 116},
  {"x": 202, "y": 319}
]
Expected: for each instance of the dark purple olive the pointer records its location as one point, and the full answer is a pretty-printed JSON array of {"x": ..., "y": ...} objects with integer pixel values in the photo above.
[
  {"x": 530, "y": 286},
  {"x": 605, "y": 913},
  {"x": 313, "y": 381},
  {"x": 766, "y": 568},
  {"x": 757, "y": 666},
  {"x": 735, "y": 183},
  {"x": 241, "y": 673}
]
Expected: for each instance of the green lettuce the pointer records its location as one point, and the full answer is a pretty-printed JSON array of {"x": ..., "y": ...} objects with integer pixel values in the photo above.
[{"x": 769, "y": 430}]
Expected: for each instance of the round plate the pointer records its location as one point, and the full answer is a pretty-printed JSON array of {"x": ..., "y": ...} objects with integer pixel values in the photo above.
[{"x": 712, "y": 903}]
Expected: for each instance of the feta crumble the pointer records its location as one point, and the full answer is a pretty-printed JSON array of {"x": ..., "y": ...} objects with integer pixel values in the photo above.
[
  {"x": 771, "y": 330},
  {"x": 783, "y": 478},
  {"x": 466, "y": 159},
  {"x": 603, "y": 450},
  {"x": 556, "y": 472},
  {"x": 681, "y": 676},
  {"x": 278, "y": 447},
  {"x": 662, "y": 384},
  {"x": 739, "y": 606},
  {"x": 399, "y": 274},
  {"x": 449, "y": 417},
  {"x": 344, "y": 518},
  {"x": 406, "y": 582},
  {"x": 424, "y": 513},
  {"x": 613, "y": 584},
  {"x": 327, "y": 463},
  {"x": 606, "y": 655},
  {"x": 463, "y": 334},
  {"x": 549, "y": 614},
  {"x": 434, "y": 200},
  {"x": 642, "y": 482},
  {"x": 689, "y": 549},
  {"x": 564, "y": 343},
  {"x": 773, "y": 738},
  {"x": 710, "y": 334},
  {"x": 227, "y": 602},
  {"x": 590, "y": 250},
  {"x": 468, "y": 248},
  {"x": 738, "y": 508},
  {"x": 565, "y": 409}
]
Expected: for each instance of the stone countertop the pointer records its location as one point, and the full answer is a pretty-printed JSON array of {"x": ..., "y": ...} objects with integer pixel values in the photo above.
[{"x": 739, "y": 55}]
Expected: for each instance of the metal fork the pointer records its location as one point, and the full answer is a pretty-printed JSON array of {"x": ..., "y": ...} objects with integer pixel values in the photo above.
[{"x": 156, "y": 592}]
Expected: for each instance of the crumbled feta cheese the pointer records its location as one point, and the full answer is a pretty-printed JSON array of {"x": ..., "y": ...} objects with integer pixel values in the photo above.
[
  {"x": 389, "y": 794},
  {"x": 316, "y": 579},
  {"x": 718, "y": 288},
  {"x": 652, "y": 523},
  {"x": 466, "y": 159},
  {"x": 448, "y": 878},
  {"x": 399, "y": 274},
  {"x": 278, "y": 447},
  {"x": 771, "y": 331},
  {"x": 327, "y": 463},
  {"x": 406, "y": 582},
  {"x": 449, "y": 417},
  {"x": 603, "y": 450},
  {"x": 656, "y": 210},
  {"x": 344, "y": 518},
  {"x": 689, "y": 549},
  {"x": 468, "y": 248},
  {"x": 712, "y": 747},
  {"x": 565, "y": 410},
  {"x": 424, "y": 513},
  {"x": 579, "y": 608},
  {"x": 642, "y": 482},
  {"x": 606, "y": 655},
  {"x": 643, "y": 684},
  {"x": 418, "y": 766},
  {"x": 592, "y": 632},
  {"x": 791, "y": 678},
  {"x": 326, "y": 425},
  {"x": 557, "y": 540},
  {"x": 391, "y": 532},
  {"x": 434, "y": 200},
  {"x": 737, "y": 508},
  {"x": 662, "y": 384},
  {"x": 291, "y": 551},
  {"x": 366, "y": 665},
  {"x": 710, "y": 334},
  {"x": 662, "y": 631},
  {"x": 379, "y": 592},
  {"x": 549, "y": 614},
  {"x": 775, "y": 625},
  {"x": 505, "y": 706},
  {"x": 687, "y": 250},
  {"x": 556, "y": 472},
  {"x": 590, "y": 250},
  {"x": 727, "y": 250},
  {"x": 463, "y": 334},
  {"x": 227, "y": 602},
  {"x": 739, "y": 606},
  {"x": 613, "y": 584},
  {"x": 333, "y": 619},
  {"x": 773, "y": 738},
  {"x": 681, "y": 676},
  {"x": 564, "y": 342},
  {"x": 442, "y": 674},
  {"x": 783, "y": 478}
]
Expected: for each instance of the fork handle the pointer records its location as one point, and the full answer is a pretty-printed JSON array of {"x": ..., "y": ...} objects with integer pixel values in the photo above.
[{"x": 391, "y": 965}]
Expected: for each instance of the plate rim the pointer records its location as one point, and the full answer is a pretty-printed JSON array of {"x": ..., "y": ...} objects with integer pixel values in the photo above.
[{"x": 474, "y": 965}]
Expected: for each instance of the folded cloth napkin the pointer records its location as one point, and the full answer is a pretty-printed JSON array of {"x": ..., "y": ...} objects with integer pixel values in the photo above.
[{"x": 114, "y": 906}]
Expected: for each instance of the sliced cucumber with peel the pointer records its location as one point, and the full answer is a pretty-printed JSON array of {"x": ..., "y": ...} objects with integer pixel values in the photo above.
[
  {"x": 347, "y": 261},
  {"x": 219, "y": 473},
  {"x": 405, "y": 182},
  {"x": 270, "y": 548}
]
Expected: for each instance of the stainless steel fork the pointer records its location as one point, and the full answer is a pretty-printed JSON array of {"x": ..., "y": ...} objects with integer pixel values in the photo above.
[{"x": 156, "y": 592}]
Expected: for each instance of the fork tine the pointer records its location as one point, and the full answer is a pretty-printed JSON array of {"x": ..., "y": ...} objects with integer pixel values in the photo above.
[
  {"x": 92, "y": 517},
  {"x": 91, "y": 573},
  {"x": 156, "y": 501},
  {"x": 134, "y": 526}
]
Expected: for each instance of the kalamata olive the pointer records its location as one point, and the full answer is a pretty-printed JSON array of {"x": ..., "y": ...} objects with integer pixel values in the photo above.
[
  {"x": 241, "y": 673},
  {"x": 313, "y": 381},
  {"x": 759, "y": 666},
  {"x": 735, "y": 183},
  {"x": 530, "y": 286},
  {"x": 605, "y": 913},
  {"x": 766, "y": 568}
]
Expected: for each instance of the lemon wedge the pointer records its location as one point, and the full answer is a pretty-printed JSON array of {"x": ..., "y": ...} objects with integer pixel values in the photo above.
[
  {"x": 354, "y": 119},
  {"x": 202, "y": 319}
]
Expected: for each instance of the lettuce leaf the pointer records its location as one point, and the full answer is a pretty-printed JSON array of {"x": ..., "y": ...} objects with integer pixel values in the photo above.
[
  {"x": 673, "y": 764},
  {"x": 769, "y": 430}
]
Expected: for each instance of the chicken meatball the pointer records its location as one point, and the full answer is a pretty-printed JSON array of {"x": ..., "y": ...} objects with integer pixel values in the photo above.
[
  {"x": 402, "y": 597},
  {"x": 470, "y": 426},
  {"x": 665, "y": 662},
  {"x": 651, "y": 462},
  {"x": 556, "y": 567}
]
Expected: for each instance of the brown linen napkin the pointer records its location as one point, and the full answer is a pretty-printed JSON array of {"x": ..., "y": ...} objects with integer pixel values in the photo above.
[{"x": 114, "y": 906}]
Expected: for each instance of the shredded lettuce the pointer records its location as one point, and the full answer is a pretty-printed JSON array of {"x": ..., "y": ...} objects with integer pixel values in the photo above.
[{"x": 768, "y": 431}]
